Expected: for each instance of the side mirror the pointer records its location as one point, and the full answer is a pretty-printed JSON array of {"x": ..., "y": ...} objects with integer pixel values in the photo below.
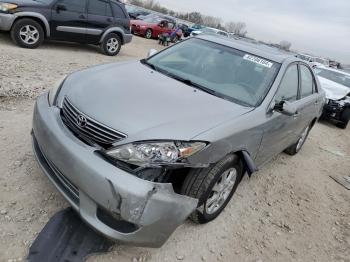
[
  {"x": 151, "y": 52},
  {"x": 60, "y": 7},
  {"x": 286, "y": 108}
]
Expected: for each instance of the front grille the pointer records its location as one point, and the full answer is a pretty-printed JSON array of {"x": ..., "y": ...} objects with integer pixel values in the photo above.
[{"x": 86, "y": 127}]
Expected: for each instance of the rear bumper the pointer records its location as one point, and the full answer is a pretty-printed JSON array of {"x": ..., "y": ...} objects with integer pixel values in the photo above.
[
  {"x": 6, "y": 21},
  {"x": 112, "y": 201},
  {"x": 127, "y": 38}
]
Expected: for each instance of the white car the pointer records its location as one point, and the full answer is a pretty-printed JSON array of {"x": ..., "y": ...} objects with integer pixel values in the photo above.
[
  {"x": 336, "y": 85},
  {"x": 209, "y": 31}
]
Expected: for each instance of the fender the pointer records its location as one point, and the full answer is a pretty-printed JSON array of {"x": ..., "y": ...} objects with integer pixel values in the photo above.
[
  {"x": 111, "y": 30},
  {"x": 249, "y": 164},
  {"x": 36, "y": 15}
]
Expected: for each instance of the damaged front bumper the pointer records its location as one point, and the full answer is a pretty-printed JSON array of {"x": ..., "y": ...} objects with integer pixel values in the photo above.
[
  {"x": 333, "y": 109},
  {"x": 117, "y": 204}
]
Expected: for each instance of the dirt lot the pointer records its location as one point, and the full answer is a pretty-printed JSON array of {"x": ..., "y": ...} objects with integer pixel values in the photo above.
[{"x": 289, "y": 211}]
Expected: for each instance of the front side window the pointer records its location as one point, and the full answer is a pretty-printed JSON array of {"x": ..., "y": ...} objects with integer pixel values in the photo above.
[
  {"x": 307, "y": 81},
  {"x": 288, "y": 89},
  {"x": 223, "y": 71},
  {"x": 99, "y": 7},
  {"x": 74, "y": 5}
]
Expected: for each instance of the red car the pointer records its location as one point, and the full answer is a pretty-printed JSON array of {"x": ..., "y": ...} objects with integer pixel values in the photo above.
[{"x": 152, "y": 26}]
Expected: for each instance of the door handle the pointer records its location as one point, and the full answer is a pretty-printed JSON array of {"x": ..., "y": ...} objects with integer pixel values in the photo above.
[
  {"x": 316, "y": 103},
  {"x": 82, "y": 16},
  {"x": 109, "y": 20}
]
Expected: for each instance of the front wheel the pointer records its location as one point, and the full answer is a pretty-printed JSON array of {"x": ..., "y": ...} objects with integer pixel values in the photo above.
[
  {"x": 111, "y": 44},
  {"x": 27, "y": 33},
  {"x": 295, "y": 148},
  {"x": 213, "y": 187},
  {"x": 344, "y": 118}
]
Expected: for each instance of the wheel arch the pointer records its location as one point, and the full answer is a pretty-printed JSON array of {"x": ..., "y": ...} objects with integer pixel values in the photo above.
[
  {"x": 248, "y": 162},
  {"x": 115, "y": 30},
  {"x": 36, "y": 17}
]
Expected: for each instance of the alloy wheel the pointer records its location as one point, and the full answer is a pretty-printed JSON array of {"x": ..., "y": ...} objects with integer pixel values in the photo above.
[
  {"x": 302, "y": 138},
  {"x": 221, "y": 191},
  {"x": 112, "y": 45},
  {"x": 29, "y": 34}
]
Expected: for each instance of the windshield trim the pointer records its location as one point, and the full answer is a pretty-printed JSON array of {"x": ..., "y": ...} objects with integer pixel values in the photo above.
[{"x": 233, "y": 100}]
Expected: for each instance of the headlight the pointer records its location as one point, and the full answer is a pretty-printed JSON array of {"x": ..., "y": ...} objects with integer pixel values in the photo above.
[
  {"x": 5, "y": 7},
  {"x": 143, "y": 153},
  {"x": 55, "y": 90}
]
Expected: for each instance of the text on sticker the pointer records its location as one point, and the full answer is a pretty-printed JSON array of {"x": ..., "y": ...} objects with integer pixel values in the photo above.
[{"x": 258, "y": 60}]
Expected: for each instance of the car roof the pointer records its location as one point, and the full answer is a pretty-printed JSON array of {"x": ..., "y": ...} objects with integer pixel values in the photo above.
[{"x": 252, "y": 47}]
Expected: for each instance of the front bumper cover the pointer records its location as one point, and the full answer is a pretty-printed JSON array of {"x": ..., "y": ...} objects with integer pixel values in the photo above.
[
  {"x": 6, "y": 21},
  {"x": 75, "y": 169}
]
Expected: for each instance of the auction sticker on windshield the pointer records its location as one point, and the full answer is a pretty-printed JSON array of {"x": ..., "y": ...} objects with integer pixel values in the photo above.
[{"x": 258, "y": 60}]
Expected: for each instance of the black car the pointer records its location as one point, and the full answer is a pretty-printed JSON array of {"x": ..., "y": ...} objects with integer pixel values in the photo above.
[
  {"x": 98, "y": 22},
  {"x": 134, "y": 12}
]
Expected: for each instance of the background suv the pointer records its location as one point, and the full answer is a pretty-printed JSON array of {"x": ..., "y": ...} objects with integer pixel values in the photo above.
[{"x": 98, "y": 22}]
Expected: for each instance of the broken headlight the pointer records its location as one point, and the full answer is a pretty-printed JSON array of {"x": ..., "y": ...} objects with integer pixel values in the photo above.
[{"x": 148, "y": 153}]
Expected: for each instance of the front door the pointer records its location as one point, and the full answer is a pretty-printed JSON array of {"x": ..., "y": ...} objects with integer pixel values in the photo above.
[
  {"x": 100, "y": 17},
  {"x": 281, "y": 130},
  {"x": 68, "y": 20}
]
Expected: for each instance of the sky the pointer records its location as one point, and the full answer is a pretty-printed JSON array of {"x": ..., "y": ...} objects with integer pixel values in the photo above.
[{"x": 319, "y": 27}]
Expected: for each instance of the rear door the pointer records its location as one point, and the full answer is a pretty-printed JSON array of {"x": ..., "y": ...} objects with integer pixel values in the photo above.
[
  {"x": 308, "y": 105},
  {"x": 68, "y": 20},
  {"x": 100, "y": 17}
]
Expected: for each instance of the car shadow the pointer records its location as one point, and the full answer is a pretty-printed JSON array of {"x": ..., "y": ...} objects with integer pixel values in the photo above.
[{"x": 5, "y": 39}]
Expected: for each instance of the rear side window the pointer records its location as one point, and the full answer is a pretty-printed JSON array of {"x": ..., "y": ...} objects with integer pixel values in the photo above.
[
  {"x": 307, "y": 81},
  {"x": 99, "y": 7},
  {"x": 117, "y": 10},
  {"x": 288, "y": 90},
  {"x": 74, "y": 5}
]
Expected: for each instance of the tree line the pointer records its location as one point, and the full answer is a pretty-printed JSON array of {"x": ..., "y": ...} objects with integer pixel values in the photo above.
[{"x": 238, "y": 28}]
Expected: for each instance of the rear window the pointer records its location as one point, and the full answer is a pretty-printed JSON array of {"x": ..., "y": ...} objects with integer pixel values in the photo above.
[
  {"x": 99, "y": 7},
  {"x": 117, "y": 10}
]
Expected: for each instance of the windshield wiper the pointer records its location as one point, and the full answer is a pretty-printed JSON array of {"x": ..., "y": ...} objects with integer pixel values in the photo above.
[
  {"x": 193, "y": 84},
  {"x": 152, "y": 66}
]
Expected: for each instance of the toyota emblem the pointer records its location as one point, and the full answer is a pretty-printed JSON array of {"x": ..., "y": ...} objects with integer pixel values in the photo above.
[{"x": 81, "y": 121}]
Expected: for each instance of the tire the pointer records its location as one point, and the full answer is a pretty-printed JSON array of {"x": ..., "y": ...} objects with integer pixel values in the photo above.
[
  {"x": 27, "y": 33},
  {"x": 111, "y": 44},
  {"x": 296, "y": 147},
  {"x": 149, "y": 33},
  {"x": 200, "y": 183},
  {"x": 344, "y": 118}
]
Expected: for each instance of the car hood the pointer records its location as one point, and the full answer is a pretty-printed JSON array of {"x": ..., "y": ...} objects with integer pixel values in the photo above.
[
  {"x": 144, "y": 104},
  {"x": 333, "y": 90}
]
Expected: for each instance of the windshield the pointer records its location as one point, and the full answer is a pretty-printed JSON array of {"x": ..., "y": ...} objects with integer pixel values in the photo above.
[
  {"x": 337, "y": 77},
  {"x": 223, "y": 71}
]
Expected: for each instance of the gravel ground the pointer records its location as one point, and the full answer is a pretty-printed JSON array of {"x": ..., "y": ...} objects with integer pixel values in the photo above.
[{"x": 289, "y": 211}]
